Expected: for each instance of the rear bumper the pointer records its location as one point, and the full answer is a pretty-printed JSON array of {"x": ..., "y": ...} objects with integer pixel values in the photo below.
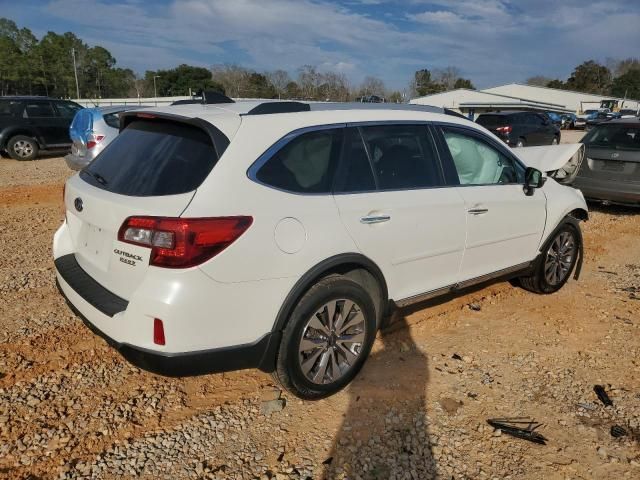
[
  {"x": 78, "y": 288},
  {"x": 609, "y": 190}
]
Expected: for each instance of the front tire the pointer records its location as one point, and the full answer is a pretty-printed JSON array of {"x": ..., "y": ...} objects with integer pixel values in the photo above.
[
  {"x": 327, "y": 338},
  {"x": 555, "y": 141},
  {"x": 557, "y": 260},
  {"x": 22, "y": 147},
  {"x": 521, "y": 143}
]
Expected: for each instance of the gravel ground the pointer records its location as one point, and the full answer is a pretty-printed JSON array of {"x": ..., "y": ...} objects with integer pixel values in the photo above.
[{"x": 70, "y": 407}]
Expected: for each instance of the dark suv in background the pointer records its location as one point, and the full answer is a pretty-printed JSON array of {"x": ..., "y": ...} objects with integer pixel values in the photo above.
[
  {"x": 520, "y": 129},
  {"x": 31, "y": 124}
]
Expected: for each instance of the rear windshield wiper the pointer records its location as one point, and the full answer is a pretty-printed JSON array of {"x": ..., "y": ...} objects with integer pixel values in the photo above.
[{"x": 99, "y": 178}]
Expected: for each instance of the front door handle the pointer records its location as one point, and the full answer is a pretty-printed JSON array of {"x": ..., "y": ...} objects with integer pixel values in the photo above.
[
  {"x": 478, "y": 211},
  {"x": 369, "y": 219}
]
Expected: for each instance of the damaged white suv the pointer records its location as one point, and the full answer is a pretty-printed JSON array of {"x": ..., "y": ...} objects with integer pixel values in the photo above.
[{"x": 277, "y": 235}]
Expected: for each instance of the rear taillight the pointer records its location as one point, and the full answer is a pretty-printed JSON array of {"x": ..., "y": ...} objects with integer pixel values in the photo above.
[
  {"x": 158, "y": 332},
  {"x": 182, "y": 242},
  {"x": 506, "y": 129},
  {"x": 93, "y": 140}
]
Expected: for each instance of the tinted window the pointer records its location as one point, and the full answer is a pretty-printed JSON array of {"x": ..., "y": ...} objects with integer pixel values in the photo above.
[
  {"x": 10, "y": 107},
  {"x": 112, "y": 119},
  {"x": 402, "y": 156},
  {"x": 492, "y": 121},
  {"x": 40, "y": 109},
  {"x": 68, "y": 109},
  {"x": 478, "y": 163},
  {"x": 357, "y": 175},
  {"x": 306, "y": 164},
  {"x": 152, "y": 158},
  {"x": 615, "y": 136}
]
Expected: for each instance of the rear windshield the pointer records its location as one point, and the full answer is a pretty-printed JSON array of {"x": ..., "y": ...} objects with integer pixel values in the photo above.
[
  {"x": 153, "y": 158},
  {"x": 492, "y": 120},
  {"x": 614, "y": 136}
]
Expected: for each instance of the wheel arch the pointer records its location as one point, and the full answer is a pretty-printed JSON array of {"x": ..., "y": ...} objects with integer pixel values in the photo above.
[
  {"x": 353, "y": 265},
  {"x": 9, "y": 134}
]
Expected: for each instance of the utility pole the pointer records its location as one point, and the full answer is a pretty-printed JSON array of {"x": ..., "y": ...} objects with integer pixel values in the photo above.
[
  {"x": 75, "y": 72},
  {"x": 155, "y": 92}
]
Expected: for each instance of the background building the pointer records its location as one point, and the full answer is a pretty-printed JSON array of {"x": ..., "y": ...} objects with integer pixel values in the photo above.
[{"x": 515, "y": 96}]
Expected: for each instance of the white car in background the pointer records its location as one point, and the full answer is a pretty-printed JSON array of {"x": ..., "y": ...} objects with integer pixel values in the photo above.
[{"x": 278, "y": 235}]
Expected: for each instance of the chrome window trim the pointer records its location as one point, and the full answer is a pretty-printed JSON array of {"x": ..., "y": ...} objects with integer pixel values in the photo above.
[{"x": 279, "y": 144}]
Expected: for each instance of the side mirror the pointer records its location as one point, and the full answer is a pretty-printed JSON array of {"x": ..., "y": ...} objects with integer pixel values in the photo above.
[{"x": 533, "y": 179}]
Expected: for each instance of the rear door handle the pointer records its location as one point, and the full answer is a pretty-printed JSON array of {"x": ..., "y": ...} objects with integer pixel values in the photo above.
[
  {"x": 478, "y": 211},
  {"x": 369, "y": 219}
]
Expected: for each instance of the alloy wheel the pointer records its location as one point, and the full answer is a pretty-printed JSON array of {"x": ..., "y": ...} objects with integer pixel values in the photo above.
[
  {"x": 23, "y": 148},
  {"x": 332, "y": 341},
  {"x": 559, "y": 258}
]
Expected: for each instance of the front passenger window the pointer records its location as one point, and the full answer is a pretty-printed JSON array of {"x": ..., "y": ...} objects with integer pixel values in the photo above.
[{"x": 478, "y": 163}]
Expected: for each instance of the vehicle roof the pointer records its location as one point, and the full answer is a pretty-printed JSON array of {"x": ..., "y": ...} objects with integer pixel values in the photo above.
[
  {"x": 630, "y": 120},
  {"x": 228, "y": 116},
  {"x": 30, "y": 97}
]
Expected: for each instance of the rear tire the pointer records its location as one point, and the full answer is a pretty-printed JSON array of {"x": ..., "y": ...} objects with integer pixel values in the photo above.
[
  {"x": 320, "y": 353},
  {"x": 557, "y": 260},
  {"x": 555, "y": 141},
  {"x": 521, "y": 143},
  {"x": 22, "y": 147}
]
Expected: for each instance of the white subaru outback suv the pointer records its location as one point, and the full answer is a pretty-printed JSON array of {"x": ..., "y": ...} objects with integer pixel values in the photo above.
[{"x": 277, "y": 235}]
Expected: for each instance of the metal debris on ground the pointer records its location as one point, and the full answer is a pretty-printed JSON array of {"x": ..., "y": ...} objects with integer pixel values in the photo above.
[
  {"x": 602, "y": 395},
  {"x": 514, "y": 426},
  {"x": 617, "y": 431}
]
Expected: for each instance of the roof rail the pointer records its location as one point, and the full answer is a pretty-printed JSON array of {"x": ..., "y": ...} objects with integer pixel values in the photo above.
[
  {"x": 210, "y": 97},
  {"x": 322, "y": 106},
  {"x": 279, "y": 107},
  {"x": 448, "y": 111}
]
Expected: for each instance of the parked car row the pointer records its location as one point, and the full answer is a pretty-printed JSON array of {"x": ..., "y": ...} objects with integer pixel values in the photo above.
[{"x": 31, "y": 124}]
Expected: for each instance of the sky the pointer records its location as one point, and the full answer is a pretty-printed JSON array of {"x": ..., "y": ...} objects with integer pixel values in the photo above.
[{"x": 492, "y": 42}]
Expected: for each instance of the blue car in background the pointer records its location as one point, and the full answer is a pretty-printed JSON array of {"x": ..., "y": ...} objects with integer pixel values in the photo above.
[
  {"x": 91, "y": 130},
  {"x": 556, "y": 119}
]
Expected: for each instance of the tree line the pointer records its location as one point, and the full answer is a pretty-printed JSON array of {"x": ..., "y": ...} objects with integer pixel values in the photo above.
[
  {"x": 618, "y": 78},
  {"x": 31, "y": 66}
]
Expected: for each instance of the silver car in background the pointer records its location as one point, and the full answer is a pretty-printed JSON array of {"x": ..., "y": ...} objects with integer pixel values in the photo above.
[
  {"x": 610, "y": 173},
  {"x": 91, "y": 131}
]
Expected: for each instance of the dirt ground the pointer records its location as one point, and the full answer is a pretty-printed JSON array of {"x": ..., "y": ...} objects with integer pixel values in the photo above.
[{"x": 71, "y": 407}]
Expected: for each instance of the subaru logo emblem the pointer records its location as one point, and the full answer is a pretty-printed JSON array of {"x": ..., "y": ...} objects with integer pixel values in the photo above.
[
  {"x": 615, "y": 155},
  {"x": 78, "y": 204}
]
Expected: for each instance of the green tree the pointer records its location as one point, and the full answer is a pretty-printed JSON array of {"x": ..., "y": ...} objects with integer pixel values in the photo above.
[
  {"x": 590, "y": 77},
  {"x": 557, "y": 84},
  {"x": 180, "y": 80},
  {"x": 464, "y": 83},
  {"x": 627, "y": 85}
]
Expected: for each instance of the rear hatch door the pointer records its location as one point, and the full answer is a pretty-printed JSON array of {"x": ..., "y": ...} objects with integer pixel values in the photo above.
[
  {"x": 613, "y": 152},
  {"x": 152, "y": 168}
]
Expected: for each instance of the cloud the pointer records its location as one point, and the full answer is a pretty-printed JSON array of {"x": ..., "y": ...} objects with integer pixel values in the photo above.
[{"x": 490, "y": 41}]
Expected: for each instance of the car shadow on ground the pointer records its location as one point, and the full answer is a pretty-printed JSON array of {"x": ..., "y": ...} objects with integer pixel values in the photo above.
[
  {"x": 385, "y": 430},
  {"x": 613, "y": 209},
  {"x": 385, "y": 433}
]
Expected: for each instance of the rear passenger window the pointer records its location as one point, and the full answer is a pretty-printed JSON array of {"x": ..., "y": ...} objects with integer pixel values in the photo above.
[
  {"x": 306, "y": 164},
  {"x": 356, "y": 175},
  {"x": 40, "y": 109},
  {"x": 402, "y": 156},
  {"x": 478, "y": 163}
]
